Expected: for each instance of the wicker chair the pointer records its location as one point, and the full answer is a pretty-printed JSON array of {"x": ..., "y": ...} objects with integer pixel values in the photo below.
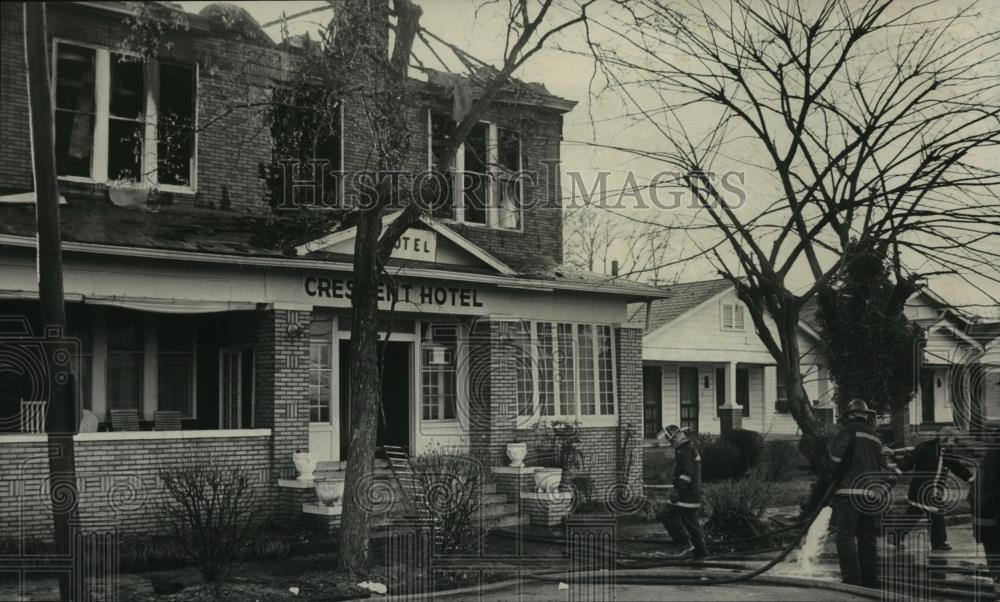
[
  {"x": 124, "y": 420},
  {"x": 165, "y": 420},
  {"x": 33, "y": 416}
]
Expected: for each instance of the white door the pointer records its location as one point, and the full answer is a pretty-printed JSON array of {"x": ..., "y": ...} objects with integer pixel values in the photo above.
[{"x": 324, "y": 434}]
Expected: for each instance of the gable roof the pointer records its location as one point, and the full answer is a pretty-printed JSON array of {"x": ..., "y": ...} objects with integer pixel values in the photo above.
[
  {"x": 985, "y": 332},
  {"x": 682, "y": 297}
]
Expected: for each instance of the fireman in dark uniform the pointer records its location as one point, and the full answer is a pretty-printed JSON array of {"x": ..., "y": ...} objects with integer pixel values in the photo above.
[
  {"x": 984, "y": 499},
  {"x": 680, "y": 517},
  {"x": 931, "y": 461},
  {"x": 861, "y": 484}
]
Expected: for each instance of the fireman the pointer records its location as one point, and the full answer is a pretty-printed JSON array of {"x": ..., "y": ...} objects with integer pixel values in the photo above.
[
  {"x": 984, "y": 499},
  {"x": 859, "y": 499},
  {"x": 931, "y": 462},
  {"x": 680, "y": 517}
]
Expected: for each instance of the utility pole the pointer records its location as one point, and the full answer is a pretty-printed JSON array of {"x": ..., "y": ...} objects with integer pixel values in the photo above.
[{"x": 61, "y": 420}]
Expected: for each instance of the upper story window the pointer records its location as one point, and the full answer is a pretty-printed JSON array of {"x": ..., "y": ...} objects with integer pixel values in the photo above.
[
  {"x": 486, "y": 187},
  {"x": 123, "y": 119},
  {"x": 307, "y": 130},
  {"x": 732, "y": 316}
]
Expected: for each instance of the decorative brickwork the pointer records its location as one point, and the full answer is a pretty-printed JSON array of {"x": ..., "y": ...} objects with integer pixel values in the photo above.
[{"x": 281, "y": 386}]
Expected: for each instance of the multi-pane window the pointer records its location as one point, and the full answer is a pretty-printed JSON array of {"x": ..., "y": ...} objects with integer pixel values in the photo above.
[
  {"x": 105, "y": 129},
  {"x": 520, "y": 338},
  {"x": 125, "y": 361},
  {"x": 175, "y": 365},
  {"x": 732, "y": 316},
  {"x": 76, "y": 107},
  {"x": 439, "y": 351},
  {"x": 573, "y": 371},
  {"x": 320, "y": 368},
  {"x": 484, "y": 176},
  {"x": 84, "y": 367},
  {"x": 781, "y": 401}
]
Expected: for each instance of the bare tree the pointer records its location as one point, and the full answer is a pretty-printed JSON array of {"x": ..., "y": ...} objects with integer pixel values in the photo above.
[
  {"x": 867, "y": 121},
  {"x": 595, "y": 236}
]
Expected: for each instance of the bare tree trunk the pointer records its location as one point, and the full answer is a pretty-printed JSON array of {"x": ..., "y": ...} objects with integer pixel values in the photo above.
[
  {"x": 61, "y": 420},
  {"x": 366, "y": 394}
]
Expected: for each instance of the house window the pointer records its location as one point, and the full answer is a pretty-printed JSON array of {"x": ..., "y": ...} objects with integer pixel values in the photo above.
[
  {"x": 307, "y": 126},
  {"x": 781, "y": 402},
  {"x": 84, "y": 369},
  {"x": 122, "y": 119},
  {"x": 439, "y": 352},
  {"x": 573, "y": 368},
  {"x": 175, "y": 365},
  {"x": 520, "y": 336},
  {"x": 732, "y": 316},
  {"x": 485, "y": 174},
  {"x": 125, "y": 361},
  {"x": 320, "y": 368},
  {"x": 75, "y": 109}
]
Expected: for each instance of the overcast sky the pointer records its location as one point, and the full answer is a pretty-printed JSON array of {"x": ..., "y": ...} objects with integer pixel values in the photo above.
[{"x": 567, "y": 74}]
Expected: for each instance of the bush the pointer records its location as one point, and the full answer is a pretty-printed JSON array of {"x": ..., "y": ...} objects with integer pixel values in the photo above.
[
  {"x": 453, "y": 489},
  {"x": 780, "y": 456},
  {"x": 211, "y": 513},
  {"x": 735, "y": 507},
  {"x": 720, "y": 459},
  {"x": 751, "y": 446}
]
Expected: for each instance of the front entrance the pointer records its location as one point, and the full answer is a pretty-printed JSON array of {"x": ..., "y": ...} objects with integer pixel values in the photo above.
[
  {"x": 395, "y": 360},
  {"x": 688, "y": 376}
]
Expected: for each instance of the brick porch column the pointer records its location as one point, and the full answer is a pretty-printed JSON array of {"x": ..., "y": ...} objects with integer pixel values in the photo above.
[
  {"x": 629, "y": 370},
  {"x": 281, "y": 381},
  {"x": 493, "y": 389}
]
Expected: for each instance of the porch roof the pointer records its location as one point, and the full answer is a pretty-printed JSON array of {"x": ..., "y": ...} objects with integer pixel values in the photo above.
[{"x": 195, "y": 234}]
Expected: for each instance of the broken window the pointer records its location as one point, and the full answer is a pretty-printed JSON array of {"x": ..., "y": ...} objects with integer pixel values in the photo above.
[
  {"x": 75, "y": 110},
  {"x": 306, "y": 128},
  {"x": 126, "y": 121},
  {"x": 442, "y": 129},
  {"x": 509, "y": 183},
  {"x": 175, "y": 125},
  {"x": 475, "y": 174}
]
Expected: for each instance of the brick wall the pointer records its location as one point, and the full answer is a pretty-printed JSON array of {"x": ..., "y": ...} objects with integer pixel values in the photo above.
[
  {"x": 117, "y": 479},
  {"x": 281, "y": 384},
  {"x": 233, "y": 141},
  {"x": 600, "y": 445}
]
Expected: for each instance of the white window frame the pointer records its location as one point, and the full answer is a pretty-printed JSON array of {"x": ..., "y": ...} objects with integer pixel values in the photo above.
[
  {"x": 461, "y": 349},
  {"x": 102, "y": 115},
  {"x": 735, "y": 308},
  {"x": 493, "y": 165},
  {"x": 150, "y": 335},
  {"x": 584, "y": 420}
]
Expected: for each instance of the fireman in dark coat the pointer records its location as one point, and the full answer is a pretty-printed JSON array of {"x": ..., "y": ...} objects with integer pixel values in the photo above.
[
  {"x": 680, "y": 517},
  {"x": 931, "y": 462},
  {"x": 862, "y": 482},
  {"x": 984, "y": 500}
]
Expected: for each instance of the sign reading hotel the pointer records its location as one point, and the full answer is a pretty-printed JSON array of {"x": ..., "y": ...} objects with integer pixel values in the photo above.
[
  {"x": 418, "y": 294},
  {"x": 416, "y": 244}
]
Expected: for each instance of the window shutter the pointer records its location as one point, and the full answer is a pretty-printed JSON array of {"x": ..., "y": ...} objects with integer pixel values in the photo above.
[
  {"x": 738, "y": 317},
  {"x": 727, "y": 316}
]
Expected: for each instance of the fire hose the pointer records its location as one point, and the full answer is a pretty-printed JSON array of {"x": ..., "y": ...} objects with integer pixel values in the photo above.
[{"x": 714, "y": 580}]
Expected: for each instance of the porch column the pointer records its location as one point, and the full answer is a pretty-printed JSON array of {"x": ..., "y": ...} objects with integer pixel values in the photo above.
[
  {"x": 730, "y": 414},
  {"x": 281, "y": 383}
]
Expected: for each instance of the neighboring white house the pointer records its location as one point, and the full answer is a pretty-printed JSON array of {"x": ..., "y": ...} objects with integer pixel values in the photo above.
[
  {"x": 700, "y": 350},
  {"x": 987, "y": 378}
]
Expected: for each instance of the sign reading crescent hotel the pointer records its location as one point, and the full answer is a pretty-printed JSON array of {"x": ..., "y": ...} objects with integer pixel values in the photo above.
[{"x": 405, "y": 292}]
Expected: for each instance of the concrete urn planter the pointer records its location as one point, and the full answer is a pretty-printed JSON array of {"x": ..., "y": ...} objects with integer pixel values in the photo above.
[
  {"x": 517, "y": 452},
  {"x": 305, "y": 465},
  {"x": 330, "y": 492},
  {"x": 547, "y": 479}
]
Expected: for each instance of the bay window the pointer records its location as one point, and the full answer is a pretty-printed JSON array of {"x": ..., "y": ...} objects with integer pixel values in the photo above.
[
  {"x": 121, "y": 118},
  {"x": 484, "y": 182},
  {"x": 566, "y": 371}
]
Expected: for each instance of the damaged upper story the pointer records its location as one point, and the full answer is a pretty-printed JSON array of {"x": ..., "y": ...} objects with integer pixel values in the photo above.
[{"x": 210, "y": 121}]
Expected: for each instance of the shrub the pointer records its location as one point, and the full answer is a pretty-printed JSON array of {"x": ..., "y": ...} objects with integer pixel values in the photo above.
[
  {"x": 720, "y": 459},
  {"x": 211, "y": 512},
  {"x": 751, "y": 446},
  {"x": 735, "y": 507},
  {"x": 779, "y": 458},
  {"x": 453, "y": 489}
]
